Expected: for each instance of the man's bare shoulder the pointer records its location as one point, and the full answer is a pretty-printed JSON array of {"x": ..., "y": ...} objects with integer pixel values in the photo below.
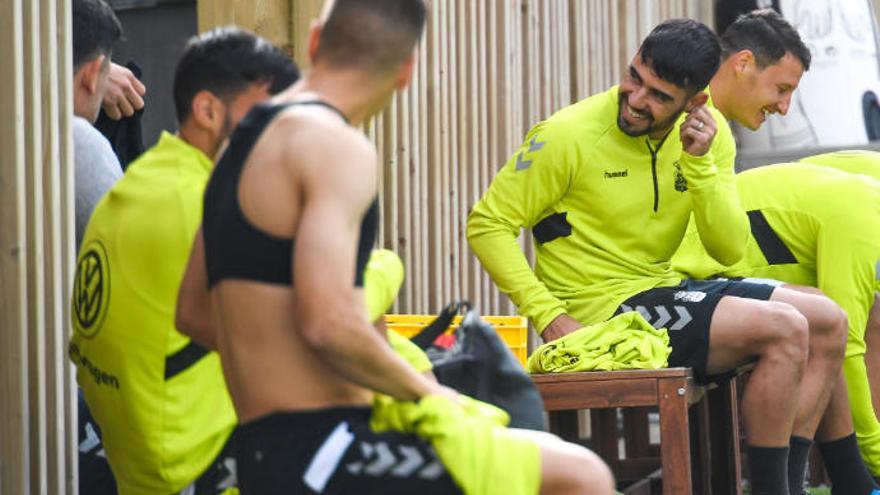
[
  {"x": 312, "y": 136},
  {"x": 321, "y": 152}
]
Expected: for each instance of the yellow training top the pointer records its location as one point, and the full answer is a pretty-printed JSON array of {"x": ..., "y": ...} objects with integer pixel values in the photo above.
[
  {"x": 606, "y": 210},
  {"x": 159, "y": 398}
]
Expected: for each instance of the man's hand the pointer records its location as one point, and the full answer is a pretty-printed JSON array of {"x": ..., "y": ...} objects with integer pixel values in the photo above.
[
  {"x": 560, "y": 326},
  {"x": 449, "y": 393},
  {"x": 124, "y": 95},
  {"x": 697, "y": 131}
]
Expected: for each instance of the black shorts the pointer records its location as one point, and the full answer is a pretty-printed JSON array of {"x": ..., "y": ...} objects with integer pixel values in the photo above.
[
  {"x": 686, "y": 310},
  {"x": 334, "y": 451},
  {"x": 96, "y": 478}
]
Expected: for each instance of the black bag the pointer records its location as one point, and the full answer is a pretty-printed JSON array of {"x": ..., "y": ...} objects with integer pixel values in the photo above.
[{"x": 476, "y": 362}]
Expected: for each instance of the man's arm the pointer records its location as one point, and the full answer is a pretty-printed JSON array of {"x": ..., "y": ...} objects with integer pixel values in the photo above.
[
  {"x": 332, "y": 313},
  {"x": 848, "y": 251},
  {"x": 708, "y": 165},
  {"x": 194, "y": 316},
  {"x": 532, "y": 181}
]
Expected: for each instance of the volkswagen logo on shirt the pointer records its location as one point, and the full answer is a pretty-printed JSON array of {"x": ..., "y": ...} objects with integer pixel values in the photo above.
[{"x": 91, "y": 290}]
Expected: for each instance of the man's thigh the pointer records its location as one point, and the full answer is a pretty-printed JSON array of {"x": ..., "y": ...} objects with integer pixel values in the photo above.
[{"x": 688, "y": 311}]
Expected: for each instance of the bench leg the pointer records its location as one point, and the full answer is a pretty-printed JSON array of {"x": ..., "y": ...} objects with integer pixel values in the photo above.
[
  {"x": 565, "y": 425},
  {"x": 701, "y": 455},
  {"x": 636, "y": 433},
  {"x": 725, "y": 440},
  {"x": 606, "y": 438},
  {"x": 675, "y": 445}
]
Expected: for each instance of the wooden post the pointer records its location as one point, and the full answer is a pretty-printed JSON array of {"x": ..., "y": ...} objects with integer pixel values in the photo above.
[
  {"x": 38, "y": 431},
  {"x": 14, "y": 428},
  {"x": 268, "y": 18}
]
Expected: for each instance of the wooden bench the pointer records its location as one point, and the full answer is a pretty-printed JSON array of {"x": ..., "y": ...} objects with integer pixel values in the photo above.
[{"x": 699, "y": 429}]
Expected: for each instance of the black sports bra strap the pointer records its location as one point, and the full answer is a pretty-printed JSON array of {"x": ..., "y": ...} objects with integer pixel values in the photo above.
[{"x": 321, "y": 103}]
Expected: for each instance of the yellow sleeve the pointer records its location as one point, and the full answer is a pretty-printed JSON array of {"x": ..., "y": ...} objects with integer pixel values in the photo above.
[
  {"x": 847, "y": 255},
  {"x": 524, "y": 191},
  {"x": 412, "y": 353},
  {"x": 383, "y": 277},
  {"x": 721, "y": 222},
  {"x": 691, "y": 260}
]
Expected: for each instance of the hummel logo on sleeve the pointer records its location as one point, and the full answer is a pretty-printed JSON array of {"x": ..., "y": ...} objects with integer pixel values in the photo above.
[{"x": 534, "y": 145}]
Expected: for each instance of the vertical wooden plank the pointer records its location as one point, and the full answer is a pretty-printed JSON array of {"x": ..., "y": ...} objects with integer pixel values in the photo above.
[
  {"x": 280, "y": 21},
  {"x": 66, "y": 231},
  {"x": 268, "y": 18},
  {"x": 302, "y": 13},
  {"x": 461, "y": 286},
  {"x": 402, "y": 242},
  {"x": 426, "y": 76},
  {"x": 452, "y": 258},
  {"x": 389, "y": 231},
  {"x": 486, "y": 168},
  {"x": 58, "y": 387},
  {"x": 14, "y": 429},
  {"x": 614, "y": 47},
  {"x": 35, "y": 215}
]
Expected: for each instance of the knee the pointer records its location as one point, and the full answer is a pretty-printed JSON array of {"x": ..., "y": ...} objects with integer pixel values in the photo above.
[
  {"x": 830, "y": 329},
  {"x": 592, "y": 475},
  {"x": 786, "y": 334}
]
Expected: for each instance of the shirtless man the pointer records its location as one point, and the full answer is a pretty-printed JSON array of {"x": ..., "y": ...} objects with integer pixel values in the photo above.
[{"x": 294, "y": 199}]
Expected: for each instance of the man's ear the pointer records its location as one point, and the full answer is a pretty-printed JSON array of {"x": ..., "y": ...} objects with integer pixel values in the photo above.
[
  {"x": 91, "y": 73},
  {"x": 314, "y": 39},
  {"x": 205, "y": 112},
  {"x": 696, "y": 101},
  {"x": 406, "y": 70},
  {"x": 743, "y": 62}
]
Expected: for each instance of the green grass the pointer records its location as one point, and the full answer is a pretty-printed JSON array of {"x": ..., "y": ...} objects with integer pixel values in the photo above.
[{"x": 819, "y": 490}]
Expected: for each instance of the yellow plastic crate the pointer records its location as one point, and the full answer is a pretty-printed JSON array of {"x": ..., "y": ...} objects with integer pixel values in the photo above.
[{"x": 513, "y": 330}]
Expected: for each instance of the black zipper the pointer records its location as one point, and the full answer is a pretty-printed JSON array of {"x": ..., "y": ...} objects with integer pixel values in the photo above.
[{"x": 654, "y": 168}]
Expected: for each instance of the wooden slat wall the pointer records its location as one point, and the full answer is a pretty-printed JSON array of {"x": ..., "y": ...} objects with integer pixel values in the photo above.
[
  {"x": 38, "y": 427},
  {"x": 267, "y": 17},
  {"x": 488, "y": 71}
]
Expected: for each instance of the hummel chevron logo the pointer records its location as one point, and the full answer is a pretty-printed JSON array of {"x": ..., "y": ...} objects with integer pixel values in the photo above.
[
  {"x": 380, "y": 460},
  {"x": 534, "y": 145},
  {"x": 664, "y": 317},
  {"x": 91, "y": 441}
]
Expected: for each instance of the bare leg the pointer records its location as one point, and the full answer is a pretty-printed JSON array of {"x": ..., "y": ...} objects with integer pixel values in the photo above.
[
  {"x": 837, "y": 421},
  {"x": 827, "y": 340},
  {"x": 775, "y": 336},
  {"x": 568, "y": 468}
]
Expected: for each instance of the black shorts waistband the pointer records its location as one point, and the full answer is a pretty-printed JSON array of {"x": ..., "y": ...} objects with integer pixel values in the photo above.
[{"x": 306, "y": 420}]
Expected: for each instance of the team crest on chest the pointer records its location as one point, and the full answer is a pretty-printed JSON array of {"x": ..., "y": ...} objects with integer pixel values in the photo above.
[
  {"x": 91, "y": 290},
  {"x": 681, "y": 184}
]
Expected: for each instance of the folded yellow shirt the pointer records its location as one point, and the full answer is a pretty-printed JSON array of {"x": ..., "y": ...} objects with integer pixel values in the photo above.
[
  {"x": 471, "y": 441},
  {"x": 626, "y": 341}
]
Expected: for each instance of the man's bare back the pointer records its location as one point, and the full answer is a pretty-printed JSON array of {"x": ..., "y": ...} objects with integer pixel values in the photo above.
[{"x": 268, "y": 364}]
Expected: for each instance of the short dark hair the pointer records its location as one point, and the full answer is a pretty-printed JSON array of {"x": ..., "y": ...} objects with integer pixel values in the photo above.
[
  {"x": 375, "y": 34},
  {"x": 95, "y": 29},
  {"x": 684, "y": 52},
  {"x": 767, "y": 35},
  {"x": 226, "y": 61}
]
